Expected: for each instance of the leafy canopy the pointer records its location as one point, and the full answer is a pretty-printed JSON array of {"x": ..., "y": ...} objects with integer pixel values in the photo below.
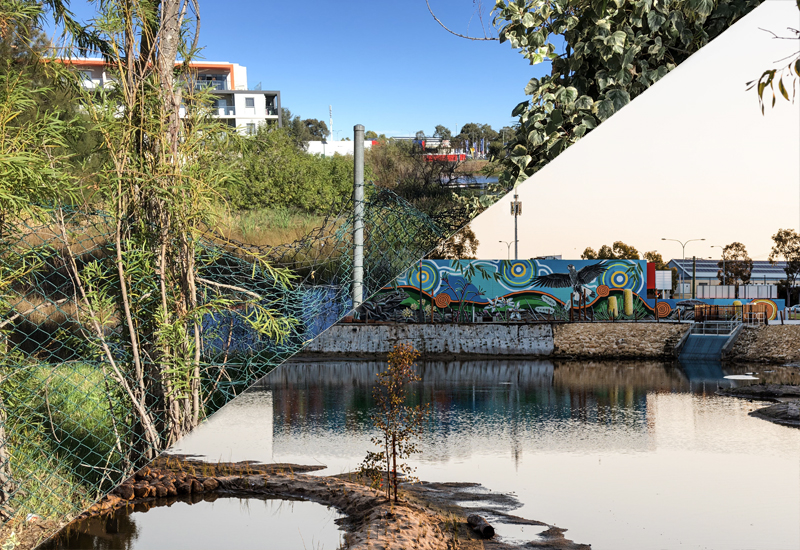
[{"x": 603, "y": 53}]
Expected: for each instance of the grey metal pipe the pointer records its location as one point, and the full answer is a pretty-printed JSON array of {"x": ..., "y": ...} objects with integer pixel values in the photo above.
[{"x": 358, "y": 216}]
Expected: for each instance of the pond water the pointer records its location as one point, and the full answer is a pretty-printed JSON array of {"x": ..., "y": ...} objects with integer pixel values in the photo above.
[
  {"x": 623, "y": 455},
  {"x": 245, "y": 524}
]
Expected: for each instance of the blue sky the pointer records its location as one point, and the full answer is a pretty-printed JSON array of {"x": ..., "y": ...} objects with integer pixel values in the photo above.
[{"x": 387, "y": 65}]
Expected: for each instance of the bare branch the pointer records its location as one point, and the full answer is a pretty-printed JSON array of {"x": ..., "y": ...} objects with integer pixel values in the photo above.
[
  {"x": 229, "y": 287},
  {"x": 453, "y": 32}
]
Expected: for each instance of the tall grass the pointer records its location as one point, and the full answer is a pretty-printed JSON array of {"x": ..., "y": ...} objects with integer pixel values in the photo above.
[
  {"x": 267, "y": 226},
  {"x": 62, "y": 434}
]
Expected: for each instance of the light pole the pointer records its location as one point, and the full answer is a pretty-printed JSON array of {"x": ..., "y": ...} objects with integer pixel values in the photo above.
[
  {"x": 683, "y": 257},
  {"x": 516, "y": 211},
  {"x": 723, "y": 261},
  {"x": 508, "y": 248}
]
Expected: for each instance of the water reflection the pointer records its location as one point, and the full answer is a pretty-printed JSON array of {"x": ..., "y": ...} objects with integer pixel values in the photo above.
[
  {"x": 625, "y": 455},
  {"x": 207, "y": 523}
]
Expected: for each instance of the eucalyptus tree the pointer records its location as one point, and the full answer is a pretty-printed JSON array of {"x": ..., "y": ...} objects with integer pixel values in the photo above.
[
  {"x": 163, "y": 176},
  {"x": 787, "y": 246},
  {"x": 736, "y": 266},
  {"x": 603, "y": 53}
]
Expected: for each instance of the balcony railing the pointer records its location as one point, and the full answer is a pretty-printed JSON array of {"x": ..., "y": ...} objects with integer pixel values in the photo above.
[
  {"x": 230, "y": 110},
  {"x": 211, "y": 84}
]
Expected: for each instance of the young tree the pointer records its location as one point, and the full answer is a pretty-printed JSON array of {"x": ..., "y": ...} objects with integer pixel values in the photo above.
[
  {"x": 787, "y": 246},
  {"x": 736, "y": 267},
  {"x": 398, "y": 423}
]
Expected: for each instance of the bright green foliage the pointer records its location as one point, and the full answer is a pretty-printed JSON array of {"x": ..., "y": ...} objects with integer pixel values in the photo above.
[
  {"x": 612, "y": 51},
  {"x": 277, "y": 173},
  {"x": 33, "y": 149}
]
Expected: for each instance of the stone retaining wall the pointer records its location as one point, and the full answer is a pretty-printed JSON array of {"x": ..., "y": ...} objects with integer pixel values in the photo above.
[
  {"x": 579, "y": 340},
  {"x": 617, "y": 340},
  {"x": 494, "y": 339},
  {"x": 767, "y": 344}
]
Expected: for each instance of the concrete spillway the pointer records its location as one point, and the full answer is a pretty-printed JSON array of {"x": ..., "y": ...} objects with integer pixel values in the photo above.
[{"x": 703, "y": 347}]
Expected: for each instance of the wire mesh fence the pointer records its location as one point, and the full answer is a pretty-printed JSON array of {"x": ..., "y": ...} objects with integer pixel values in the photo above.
[{"x": 71, "y": 423}]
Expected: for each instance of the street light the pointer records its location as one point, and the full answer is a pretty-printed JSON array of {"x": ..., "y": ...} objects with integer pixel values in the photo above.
[
  {"x": 723, "y": 261},
  {"x": 508, "y": 248},
  {"x": 516, "y": 211},
  {"x": 683, "y": 257}
]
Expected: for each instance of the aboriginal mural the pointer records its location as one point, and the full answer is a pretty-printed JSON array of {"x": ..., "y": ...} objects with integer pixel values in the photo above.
[
  {"x": 529, "y": 290},
  {"x": 516, "y": 290}
]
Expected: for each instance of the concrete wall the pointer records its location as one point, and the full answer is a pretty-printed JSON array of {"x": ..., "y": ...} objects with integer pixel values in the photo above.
[
  {"x": 579, "y": 340},
  {"x": 494, "y": 339},
  {"x": 330, "y": 148}
]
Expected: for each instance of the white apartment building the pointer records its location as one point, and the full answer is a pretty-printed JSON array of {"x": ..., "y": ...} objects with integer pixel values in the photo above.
[{"x": 237, "y": 105}]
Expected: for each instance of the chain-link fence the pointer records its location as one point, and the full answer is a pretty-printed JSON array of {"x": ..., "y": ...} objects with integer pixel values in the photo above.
[{"x": 70, "y": 427}]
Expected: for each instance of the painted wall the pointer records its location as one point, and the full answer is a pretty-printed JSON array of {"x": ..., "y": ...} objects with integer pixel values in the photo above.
[{"x": 483, "y": 290}]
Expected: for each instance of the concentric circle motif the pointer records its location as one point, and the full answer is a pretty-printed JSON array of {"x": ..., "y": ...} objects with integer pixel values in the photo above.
[
  {"x": 602, "y": 291},
  {"x": 663, "y": 309},
  {"x": 518, "y": 273},
  {"x": 772, "y": 307},
  {"x": 617, "y": 277},
  {"x": 442, "y": 300},
  {"x": 429, "y": 274}
]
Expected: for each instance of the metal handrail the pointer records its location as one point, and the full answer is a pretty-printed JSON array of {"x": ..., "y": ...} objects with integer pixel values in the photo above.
[{"x": 715, "y": 327}]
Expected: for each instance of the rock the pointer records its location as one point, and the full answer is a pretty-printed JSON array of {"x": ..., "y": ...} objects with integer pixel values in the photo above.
[
  {"x": 125, "y": 491},
  {"x": 142, "y": 474},
  {"x": 161, "y": 491},
  {"x": 140, "y": 490},
  {"x": 184, "y": 488},
  {"x": 197, "y": 487},
  {"x": 171, "y": 490},
  {"x": 210, "y": 484}
]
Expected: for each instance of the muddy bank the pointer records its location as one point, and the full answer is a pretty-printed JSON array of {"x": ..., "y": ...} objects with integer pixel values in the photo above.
[
  {"x": 764, "y": 392},
  {"x": 787, "y": 410},
  {"x": 429, "y": 516},
  {"x": 785, "y": 414}
]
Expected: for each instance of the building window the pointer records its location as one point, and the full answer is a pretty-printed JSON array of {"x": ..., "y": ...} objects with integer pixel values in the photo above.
[
  {"x": 249, "y": 102},
  {"x": 251, "y": 129}
]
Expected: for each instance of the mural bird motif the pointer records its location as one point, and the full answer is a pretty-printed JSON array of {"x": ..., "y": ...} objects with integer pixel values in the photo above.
[{"x": 577, "y": 280}]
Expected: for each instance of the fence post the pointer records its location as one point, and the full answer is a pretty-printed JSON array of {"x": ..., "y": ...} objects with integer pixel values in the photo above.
[{"x": 358, "y": 216}]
